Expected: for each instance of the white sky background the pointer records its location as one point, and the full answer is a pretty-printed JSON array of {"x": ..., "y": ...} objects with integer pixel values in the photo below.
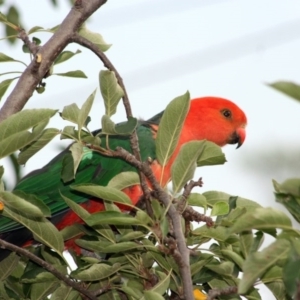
[{"x": 226, "y": 48}]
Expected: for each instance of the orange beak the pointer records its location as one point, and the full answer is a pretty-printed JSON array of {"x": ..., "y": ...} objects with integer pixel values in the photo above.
[{"x": 241, "y": 134}]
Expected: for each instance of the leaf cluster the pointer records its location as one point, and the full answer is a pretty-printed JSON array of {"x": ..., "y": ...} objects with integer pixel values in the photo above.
[{"x": 126, "y": 253}]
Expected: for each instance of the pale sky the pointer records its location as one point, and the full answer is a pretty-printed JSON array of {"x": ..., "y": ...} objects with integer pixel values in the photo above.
[{"x": 228, "y": 48}]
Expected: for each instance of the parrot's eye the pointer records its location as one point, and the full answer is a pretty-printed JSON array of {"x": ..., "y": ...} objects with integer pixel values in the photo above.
[{"x": 226, "y": 113}]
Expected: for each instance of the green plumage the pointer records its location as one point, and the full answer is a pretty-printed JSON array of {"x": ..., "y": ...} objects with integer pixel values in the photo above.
[{"x": 46, "y": 183}]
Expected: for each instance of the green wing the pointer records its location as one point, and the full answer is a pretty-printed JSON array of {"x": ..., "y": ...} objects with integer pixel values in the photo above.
[{"x": 94, "y": 168}]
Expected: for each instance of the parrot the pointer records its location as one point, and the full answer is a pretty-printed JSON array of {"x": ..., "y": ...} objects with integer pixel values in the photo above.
[{"x": 209, "y": 118}]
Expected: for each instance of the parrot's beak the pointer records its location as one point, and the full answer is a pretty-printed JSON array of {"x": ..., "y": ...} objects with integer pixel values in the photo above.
[
  {"x": 241, "y": 136},
  {"x": 238, "y": 137}
]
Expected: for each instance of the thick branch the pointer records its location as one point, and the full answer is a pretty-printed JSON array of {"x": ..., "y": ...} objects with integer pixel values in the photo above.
[
  {"x": 36, "y": 70},
  {"x": 76, "y": 286}
]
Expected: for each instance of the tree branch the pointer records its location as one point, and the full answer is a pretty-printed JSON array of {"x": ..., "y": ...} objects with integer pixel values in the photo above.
[
  {"x": 33, "y": 48},
  {"x": 23, "y": 252},
  {"x": 184, "y": 252},
  {"x": 36, "y": 70},
  {"x": 76, "y": 38},
  {"x": 212, "y": 294}
]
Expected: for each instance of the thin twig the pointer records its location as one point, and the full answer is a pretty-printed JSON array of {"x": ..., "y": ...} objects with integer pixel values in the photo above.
[
  {"x": 212, "y": 294},
  {"x": 76, "y": 38},
  {"x": 193, "y": 216},
  {"x": 187, "y": 191},
  {"x": 49, "y": 267},
  {"x": 32, "y": 46}
]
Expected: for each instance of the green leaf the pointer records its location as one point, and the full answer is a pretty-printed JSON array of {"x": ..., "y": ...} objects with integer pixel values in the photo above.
[
  {"x": 291, "y": 269},
  {"x": 246, "y": 241},
  {"x": 43, "y": 230},
  {"x": 5, "y": 58},
  {"x": 157, "y": 208},
  {"x": 40, "y": 291},
  {"x": 133, "y": 235},
  {"x": 258, "y": 263},
  {"x": 103, "y": 230},
  {"x": 77, "y": 153},
  {"x": 197, "y": 266},
  {"x": 220, "y": 208},
  {"x": 211, "y": 155},
  {"x": 64, "y": 56},
  {"x": 36, "y": 40},
  {"x": 288, "y": 194},
  {"x": 149, "y": 295},
  {"x": 103, "y": 192},
  {"x": 7, "y": 265},
  {"x": 170, "y": 127},
  {"x": 257, "y": 241},
  {"x": 80, "y": 211},
  {"x": 110, "y": 90},
  {"x": 4, "y": 86},
  {"x": 278, "y": 289},
  {"x": 213, "y": 197},
  {"x": 289, "y": 187},
  {"x": 125, "y": 128},
  {"x": 218, "y": 233},
  {"x": 67, "y": 169},
  {"x": 131, "y": 291},
  {"x": 35, "y": 29},
  {"x": 184, "y": 166},
  {"x": 69, "y": 132},
  {"x": 112, "y": 217},
  {"x": 19, "y": 204},
  {"x": 14, "y": 19},
  {"x": 65, "y": 293},
  {"x": 163, "y": 284},
  {"x": 124, "y": 246},
  {"x": 195, "y": 199},
  {"x": 71, "y": 113},
  {"x": 124, "y": 180},
  {"x": 234, "y": 257},
  {"x": 108, "y": 126},
  {"x": 96, "y": 272},
  {"x": 98, "y": 245},
  {"x": 263, "y": 219},
  {"x": 144, "y": 218},
  {"x": 225, "y": 268},
  {"x": 27, "y": 152},
  {"x": 76, "y": 74},
  {"x": 13, "y": 130},
  {"x": 272, "y": 274},
  {"x": 40, "y": 89},
  {"x": 85, "y": 110},
  {"x": 34, "y": 200},
  {"x": 289, "y": 88},
  {"x": 94, "y": 37},
  {"x": 24, "y": 120}
]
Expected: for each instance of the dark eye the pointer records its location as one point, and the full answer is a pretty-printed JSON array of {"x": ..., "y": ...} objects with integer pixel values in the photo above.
[{"x": 226, "y": 113}]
